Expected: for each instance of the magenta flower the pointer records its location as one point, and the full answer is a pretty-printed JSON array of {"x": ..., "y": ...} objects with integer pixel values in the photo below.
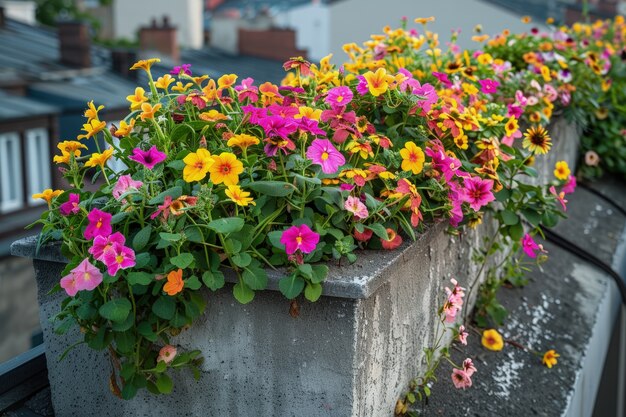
[
  {"x": 461, "y": 379},
  {"x": 362, "y": 87},
  {"x": 560, "y": 197},
  {"x": 529, "y": 246},
  {"x": 118, "y": 257},
  {"x": 339, "y": 96},
  {"x": 443, "y": 78},
  {"x": 254, "y": 113},
  {"x": 428, "y": 94},
  {"x": 84, "y": 277},
  {"x": 247, "y": 90},
  {"x": 277, "y": 126},
  {"x": 103, "y": 244},
  {"x": 99, "y": 224},
  {"x": 311, "y": 126},
  {"x": 488, "y": 86},
  {"x": 570, "y": 185},
  {"x": 287, "y": 112},
  {"x": 477, "y": 192},
  {"x": 356, "y": 207},
  {"x": 322, "y": 152},
  {"x": 148, "y": 158},
  {"x": 124, "y": 184},
  {"x": 70, "y": 206},
  {"x": 299, "y": 238},
  {"x": 181, "y": 69}
]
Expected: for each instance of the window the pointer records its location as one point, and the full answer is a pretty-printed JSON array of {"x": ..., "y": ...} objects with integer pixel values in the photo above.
[
  {"x": 37, "y": 163},
  {"x": 11, "y": 194}
]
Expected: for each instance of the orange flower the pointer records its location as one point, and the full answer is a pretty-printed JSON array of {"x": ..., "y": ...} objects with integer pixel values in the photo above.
[
  {"x": 174, "y": 283},
  {"x": 92, "y": 128},
  {"x": 212, "y": 116},
  {"x": 164, "y": 82},
  {"x": 48, "y": 195},
  {"x": 225, "y": 169},
  {"x": 137, "y": 99},
  {"x": 124, "y": 129},
  {"x": 147, "y": 111},
  {"x": 549, "y": 358},
  {"x": 144, "y": 64},
  {"x": 92, "y": 111},
  {"x": 226, "y": 80}
]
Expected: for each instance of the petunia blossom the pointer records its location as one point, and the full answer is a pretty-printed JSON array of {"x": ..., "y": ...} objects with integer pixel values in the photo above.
[
  {"x": 124, "y": 184},
  {"x": 118, "y": 257},
  {"x": 488, "y": 86},
  {"x": 529, "y": 246},
  {"x": 570, "y": 185},
  {"x": 463, "y": 335},
  {"x": 356, "y": 207},
  {"x": 478, "y": 192},
  {"x": 299, "y": 238},
  {"x": 339, "y": 96},
  {"x": 322, "y": 152},
  {"x": 148, "y": 158},
  {"x": 99, "y": 224},
  {"x": 102, "y": 244},
  {"x": 84, "y": 277},
  {"x": 461, "y": 379},
  {"x": 167, "y": 354},
  {"x": 468, "y": 367},
  {"x": 70, "y": 206}
]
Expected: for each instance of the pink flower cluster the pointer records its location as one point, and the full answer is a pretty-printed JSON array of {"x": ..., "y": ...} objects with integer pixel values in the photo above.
[
  {"x": 454, "y": 302},
  {"x": 462, "y": 378}
]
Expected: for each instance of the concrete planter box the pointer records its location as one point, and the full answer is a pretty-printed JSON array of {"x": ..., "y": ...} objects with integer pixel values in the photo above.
[{"x": 352, "y": 353}]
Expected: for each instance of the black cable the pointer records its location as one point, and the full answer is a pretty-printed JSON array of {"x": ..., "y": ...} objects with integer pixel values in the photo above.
[
  {"x": 604, "y": 197},
  {"x": 589, "y": 257}
]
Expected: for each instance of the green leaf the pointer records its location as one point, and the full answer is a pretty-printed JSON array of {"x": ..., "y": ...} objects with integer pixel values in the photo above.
[
  {"x": 181, "y": 132},
  {"x": 101, "y": 340},
  {"x": 516, "y": 231},
  {"x": 125, "y": 341},
  {"x": 312, "y": 292},
  {"x": 177, "y": 165},
  {"x": 272, "y": 188},
  {"x": 241, "y": 259},
  {"x": 379, "y": 230},
  {"x": 426, "y": 390},
  {"x": 193, "y": 283},
  {"x": 117, "y": 218},
  {"x": 164, "y": 307},
  {"x": 274, "y": 238},
  {"x": 142, "y": 260},
  {"x": 509, "y": 218},
  {"x": 171, "y": 237},
  {"x": 502, "y": 195},
  {"x": 291, "y": 286},
  {"x": 214, "y": 280},
  {"x": 116, "y": 309},
  {"x": 243, "y": 293},
  {"x": 173, "y": 192},
  {"x": 194, "y": 234},
  {"x": 549, "y": 219},
  {"x": 255, "y": 278},
  {"x": 122, "y": 326},
  {"x": 319, "y": 273},
  {"x": 129, "y": 390},
  {"x": 532, "y": 216},
  {"x": 306, "y": 271},
  {"x": 183, "y": 260},
  {"x": 232, "y": 246},
  {"x": 140, "y": 278},
  {"x": 145, "y": 329},
  {"x": 164, "y": 383},
  {"x": 142, "y": 238},
  {"x": 226, "y": 225}
]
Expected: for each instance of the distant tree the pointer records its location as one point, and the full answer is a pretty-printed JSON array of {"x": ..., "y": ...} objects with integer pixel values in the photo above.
[{"x": 49, "y": 12}]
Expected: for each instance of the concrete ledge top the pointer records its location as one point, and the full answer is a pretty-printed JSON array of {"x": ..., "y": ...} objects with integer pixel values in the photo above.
[
  {"x": 354, "y": 281},
  {"x": 570, "y": 306}
]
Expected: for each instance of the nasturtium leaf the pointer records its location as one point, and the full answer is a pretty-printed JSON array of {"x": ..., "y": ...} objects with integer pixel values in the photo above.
[
  {"x": 291, "y": 286},
  {"x": 306, "y": 270},
  {"x": 164, "y": 307},
  {"x": 312, "y": 292},
  {"x": 140, "y": 278},
  {"x": 182, "y": 261},
  {"x": 116, "y": 309},
  {"x": 142, "y": 238},
  {"x": 214, "y": 280},
  {"x": 226, "y": 225},
  {"x": 243, "y": 293},
  {"x": 193, "y": 283},
  {"x": 272, "y": 188}
]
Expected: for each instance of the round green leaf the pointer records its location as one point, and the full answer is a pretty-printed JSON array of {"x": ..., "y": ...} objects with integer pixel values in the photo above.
[{"x": 116, "y": 310}]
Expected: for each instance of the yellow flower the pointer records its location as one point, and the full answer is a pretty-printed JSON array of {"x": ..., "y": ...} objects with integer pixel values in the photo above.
[
  {"x": 92, "y": 128},
  {"x": 99, "y": 159},
  {"x": 164, "y": 82},
  {"x": 226, "y": 80},
  {"x": 378, "y": 82},
  {"x": 147, "y": 111},
  {"x": 243, "y": 141},
  {"x": 526, "y": 19},
  {"x": 511, "y": 126},
  {"x": 48, "y": 195},
  {"x": 412, "y": 158},
  {"x": 125, "y": 128},
  {"x": 549, "y": 358},
  {"x": 308, "y": 112},
  {"x": 240, "y": 197},
  {"x": 545, "y": 73},
  {"x": 212, "y": 116},
  {"x": 226, "y": 169},
  {"x": 561, "y": 170},
  {"x": 537, "y": 140},
  {"x": 145, "y": 64},
  {"x": 180, "y": 88},
  {"x": 137, "y": 99},
  {"x": 424, "y": 20},
  {"x": 69, "y": 146},
  {"x": 197, "y": 165},
  {"x": 492, "y": 340},
  {"x": 92, "y": 112}
]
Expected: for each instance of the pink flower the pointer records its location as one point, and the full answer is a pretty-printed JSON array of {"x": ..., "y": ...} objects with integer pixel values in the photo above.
[
  {"x": 463, "y": 335},
  {"x": 299, "y": 238},
  {"x": 84, "y": 277},
  {"x": 468, "y": 367},
  {"x": 167, "y": 354},
  {"x": 443, "y": 78},
  {"x": 339, "y": 96},
  {"x": 363, "y": 237},
  {"x": 346, "y": 187},
  {"x": 322, "y": 152},
  {"x": 356, "y": 207},
  {"x": 247, "y": 90},
  {"x": 70, "y": 206},
  {"x": 124, "y": 184},
  {"x": 148, "y": 158},
  {"x": 570, "y": 185},
  {"x": 118, "y": 257},
  {"x": 560, "y": 197},
  {"x": 102, "y": 244},
  {"x": 428, "y": 94},
  {"x": 278, "y": 126},
  {"x": 461, "y": 379},
  {"x": 530, "y": 246},
  {"x": 488, "y": 86},
  {"x": 362, "y": 87},
  {"x": 393, "y": 241},
  {"x": 99, "y": 224},
  {"x": 184, "y": 69},
  {"x": 477, "y": 192}
]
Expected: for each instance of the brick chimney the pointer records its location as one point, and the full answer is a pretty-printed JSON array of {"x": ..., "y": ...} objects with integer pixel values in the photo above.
[
  {"x": 122, "y": 60},
  {"x": 75, "y": 44},
  {"x": 273, "y": 43},
  {"x": 2, "y": 17},
  {"x": 160, "y": 41}
]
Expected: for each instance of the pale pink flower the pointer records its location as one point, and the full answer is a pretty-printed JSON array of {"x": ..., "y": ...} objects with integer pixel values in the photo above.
[
  {"x": 463, "y": 335},
  {"x": 591, "y": 158},
  {"x": 84, "y": 277},
  {"x": 124, "y": 184},
  {"x": 560, "y": 197},
  {"x": 468, "y": 367},
  {"x": 167, "y": 354},
  {"x": 356, "y": 207},
  {"x": 461, "y": 379}
]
